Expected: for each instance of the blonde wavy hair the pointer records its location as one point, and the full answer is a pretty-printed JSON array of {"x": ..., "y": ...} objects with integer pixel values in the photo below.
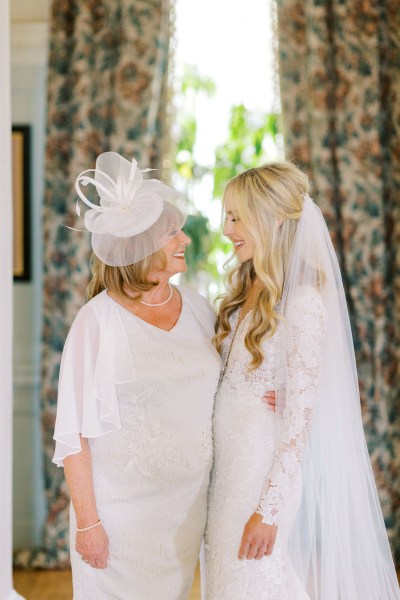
[
  {"x": 135, "y": 276},
  {"x": 268, "y": 202}
]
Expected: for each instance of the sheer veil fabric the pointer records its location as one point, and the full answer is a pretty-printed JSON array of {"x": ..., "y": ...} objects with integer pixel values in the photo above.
[
  {"x": 129, "y": 217},
  {"x": 338, "y": 545}
]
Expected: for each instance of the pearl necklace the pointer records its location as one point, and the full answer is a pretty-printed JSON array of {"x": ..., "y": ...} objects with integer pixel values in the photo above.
[{"x": 148, "y": 303}]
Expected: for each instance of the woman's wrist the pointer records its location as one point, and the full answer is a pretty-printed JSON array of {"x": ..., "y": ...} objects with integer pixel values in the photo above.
[
  {"x": 88, "y": 527},
  {"x": 85, "y": 518}
]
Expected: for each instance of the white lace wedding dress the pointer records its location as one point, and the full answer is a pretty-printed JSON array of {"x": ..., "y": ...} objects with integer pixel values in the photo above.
[{"x": 255, "y": 467}]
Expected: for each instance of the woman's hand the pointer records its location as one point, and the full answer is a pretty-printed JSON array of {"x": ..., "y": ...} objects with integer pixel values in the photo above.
[
  {"x": 258, "y": 538},
  {"x": 270, "y": 400},
  {"x": 92, "y": 545}
]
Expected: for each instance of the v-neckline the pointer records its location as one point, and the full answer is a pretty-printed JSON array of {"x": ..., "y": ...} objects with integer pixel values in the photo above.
[
  {"x": 136, "y": 317},
  {"x": 234, "y": 331},
  {"x": 239, "y": 321}
]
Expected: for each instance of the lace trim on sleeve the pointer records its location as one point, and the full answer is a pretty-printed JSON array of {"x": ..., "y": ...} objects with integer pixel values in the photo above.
[{"x": 305, "y": 333}]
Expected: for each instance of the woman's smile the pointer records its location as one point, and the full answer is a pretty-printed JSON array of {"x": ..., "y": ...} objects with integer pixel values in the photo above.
[{"x": 179, "y": 255}]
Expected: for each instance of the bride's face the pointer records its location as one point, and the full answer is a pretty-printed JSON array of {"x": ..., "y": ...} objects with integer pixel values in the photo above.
[{"x": 236, "y": 232}]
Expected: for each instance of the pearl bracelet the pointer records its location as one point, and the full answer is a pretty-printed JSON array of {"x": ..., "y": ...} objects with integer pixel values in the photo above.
[{"x": 81, "y": 529}]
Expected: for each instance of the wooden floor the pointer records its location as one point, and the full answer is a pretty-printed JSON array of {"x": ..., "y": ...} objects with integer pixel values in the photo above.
[{"x": 56, "y": 585}]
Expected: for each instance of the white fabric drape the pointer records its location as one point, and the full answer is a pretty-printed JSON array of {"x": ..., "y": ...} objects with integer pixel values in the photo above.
[{"x": 339, "y": 545}]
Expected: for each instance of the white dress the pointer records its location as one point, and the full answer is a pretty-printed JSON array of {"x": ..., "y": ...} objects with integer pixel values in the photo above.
[
  {"x": 255, "y": 467},
  {"x": 151, "y": 444}
]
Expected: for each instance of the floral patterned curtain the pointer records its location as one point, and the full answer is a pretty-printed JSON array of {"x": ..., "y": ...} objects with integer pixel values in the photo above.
[
  {"x": 340, "y": 87},
  {"x": 107, "y": 88}
]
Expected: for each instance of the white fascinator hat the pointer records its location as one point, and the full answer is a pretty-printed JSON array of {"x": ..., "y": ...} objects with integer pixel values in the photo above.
[{"x": 129, "y": 217}]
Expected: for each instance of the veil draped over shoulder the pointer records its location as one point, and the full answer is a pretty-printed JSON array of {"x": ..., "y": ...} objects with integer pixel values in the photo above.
[{"x": 338, "y": 545}]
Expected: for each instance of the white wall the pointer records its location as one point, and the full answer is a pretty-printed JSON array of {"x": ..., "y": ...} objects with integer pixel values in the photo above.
[
  {"x": 28, "y": 77},
  {"x": 6, "y": 312},
  {"x": 6, "y": 309}
]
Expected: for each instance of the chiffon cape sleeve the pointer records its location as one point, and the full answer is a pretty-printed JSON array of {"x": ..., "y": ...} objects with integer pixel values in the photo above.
[{"x": 96, "y": 358}]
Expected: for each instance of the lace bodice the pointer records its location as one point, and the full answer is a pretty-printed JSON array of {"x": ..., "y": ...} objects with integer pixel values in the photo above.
[{"x": 305, "y": 329}]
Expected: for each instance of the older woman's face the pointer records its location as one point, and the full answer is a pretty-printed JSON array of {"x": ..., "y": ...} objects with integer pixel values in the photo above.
[
  {"x": 236, "y": 232},
  {"x": 175, "y": 254}
]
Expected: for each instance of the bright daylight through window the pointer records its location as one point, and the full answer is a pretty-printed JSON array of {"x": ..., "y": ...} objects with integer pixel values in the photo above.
[{"x": 227, "y": 115}]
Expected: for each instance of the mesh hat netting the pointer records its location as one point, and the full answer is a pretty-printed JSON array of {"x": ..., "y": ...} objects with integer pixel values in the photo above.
[{"x": 134, "y": 217}]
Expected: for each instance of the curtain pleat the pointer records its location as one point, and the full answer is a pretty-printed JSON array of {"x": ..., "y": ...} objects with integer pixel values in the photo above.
[{"x": 340, "y": 89}]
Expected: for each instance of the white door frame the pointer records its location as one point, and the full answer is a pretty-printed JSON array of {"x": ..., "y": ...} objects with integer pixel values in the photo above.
[{"x": 6, "y": 314}]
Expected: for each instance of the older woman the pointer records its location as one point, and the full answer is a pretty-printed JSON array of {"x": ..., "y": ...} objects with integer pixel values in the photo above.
[{"x": 137, "y": 383}]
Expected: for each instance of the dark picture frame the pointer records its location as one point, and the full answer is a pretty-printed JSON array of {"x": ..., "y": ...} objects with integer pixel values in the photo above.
[{"x": 21, "y": 189}]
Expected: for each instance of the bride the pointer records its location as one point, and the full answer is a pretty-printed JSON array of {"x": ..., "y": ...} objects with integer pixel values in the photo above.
[{"x": 293, "y": 508}]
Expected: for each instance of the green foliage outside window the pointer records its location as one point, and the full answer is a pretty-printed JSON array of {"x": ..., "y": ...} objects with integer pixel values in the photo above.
[
  {"x": 253, "y": 138},
  {"x": 245, "y": 146}
]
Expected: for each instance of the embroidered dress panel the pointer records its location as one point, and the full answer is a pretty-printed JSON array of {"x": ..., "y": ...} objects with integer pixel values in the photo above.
[
  {"x": 257, "y": 455},
  {"x": 151, "y": 474}
]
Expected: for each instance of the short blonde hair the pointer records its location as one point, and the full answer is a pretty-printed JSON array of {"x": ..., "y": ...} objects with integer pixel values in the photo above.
[
  {"x": 268, "y": 201},
  {"x": 135, "y": 276}
]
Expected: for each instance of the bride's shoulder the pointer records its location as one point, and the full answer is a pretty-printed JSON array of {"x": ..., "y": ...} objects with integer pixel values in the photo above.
[
  {"x": 306, "y": 300},
  {"x": 308, "y": 292}
]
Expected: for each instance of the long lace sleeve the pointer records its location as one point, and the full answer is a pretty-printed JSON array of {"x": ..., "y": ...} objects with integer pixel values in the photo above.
[{"x": 305, "y": 333}]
